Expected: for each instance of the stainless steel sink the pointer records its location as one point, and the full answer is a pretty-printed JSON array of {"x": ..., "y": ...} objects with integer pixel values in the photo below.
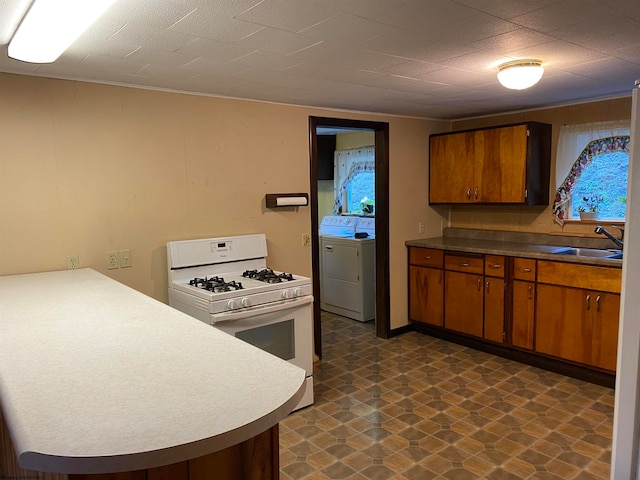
[{"x": 588, "y": 252}]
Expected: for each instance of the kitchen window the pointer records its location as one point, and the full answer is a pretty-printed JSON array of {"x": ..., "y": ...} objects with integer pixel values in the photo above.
[{"x": 592, "y": 163}]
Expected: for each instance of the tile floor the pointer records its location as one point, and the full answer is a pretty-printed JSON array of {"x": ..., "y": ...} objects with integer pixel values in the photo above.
[{"x": 415, "y": 407}]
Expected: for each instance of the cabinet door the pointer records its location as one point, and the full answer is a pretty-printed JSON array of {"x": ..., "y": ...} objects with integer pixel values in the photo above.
[
  {"x": 605, "y": 309},
  {"x": 451, "y": 159},
  {"x": 523, "y": 314},
  {"x": 500, "y": 169},
  {"x": 563, "y": 324},
  {"x": 426, "y": 295},
  {"x": 494, "y": 309},
  {"x": 463, "y": 302}
]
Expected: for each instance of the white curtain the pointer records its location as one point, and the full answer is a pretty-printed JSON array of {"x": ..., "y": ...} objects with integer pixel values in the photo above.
[
  {"x": 348, "y": 163},
  {"x": 571, "y": 156},
  {"x": 573, "y": 139}
]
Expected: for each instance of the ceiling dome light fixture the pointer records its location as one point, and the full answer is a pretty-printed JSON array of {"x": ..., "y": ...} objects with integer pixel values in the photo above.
[{"x": 520, "y": 74}]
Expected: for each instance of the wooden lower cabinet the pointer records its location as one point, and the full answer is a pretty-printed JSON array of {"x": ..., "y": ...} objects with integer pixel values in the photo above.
[
  {"x": 463, "y": 303},
  {"x": 604, "y": 351},
  {"x": 494, "y": 309},
  {"x": 426, "y": 295},
  {"x": 565, "y": 310},
  {"x": 578, "y": 325},
  {"x": 563, "y": 328},
  {"x": 523, "y": 314}
]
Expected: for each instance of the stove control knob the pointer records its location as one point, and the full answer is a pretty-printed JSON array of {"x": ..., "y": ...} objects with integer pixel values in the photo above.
[
  {"x": 286, "y": 294},
  {"x": 231, "y": 305},
  {"x": 297, "y": 292},
  {"x": 245, "y": 302}
]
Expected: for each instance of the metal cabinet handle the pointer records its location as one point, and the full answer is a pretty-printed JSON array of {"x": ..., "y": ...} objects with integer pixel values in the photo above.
[
  {"x": 524, "y": 270},
  {"x": 479, "y": 284},
  {"x": 463, "y": 264},
  {"x": 469, "y": 193},
  {"x": 598, "y": 303},
  {"x": 476, "y": 193},
  {"x": 495, "y": 265},
  {"x": 487, "y": 286},
  {"x": 530, "y": 292},
  {"x": 329, "y": 248},
  {"x": 426, "y": 257},
  {"x": 588, "y": 299}
]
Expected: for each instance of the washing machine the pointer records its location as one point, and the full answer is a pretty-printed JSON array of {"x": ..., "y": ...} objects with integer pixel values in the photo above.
[{"x": 347, "y": 266}]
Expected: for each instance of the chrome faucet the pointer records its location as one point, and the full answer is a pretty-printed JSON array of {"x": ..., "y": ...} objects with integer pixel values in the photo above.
[{"x": 617, "y": 241}]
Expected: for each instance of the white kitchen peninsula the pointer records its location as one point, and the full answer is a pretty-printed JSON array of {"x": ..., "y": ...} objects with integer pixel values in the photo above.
[{"x": 97, "y": 378}]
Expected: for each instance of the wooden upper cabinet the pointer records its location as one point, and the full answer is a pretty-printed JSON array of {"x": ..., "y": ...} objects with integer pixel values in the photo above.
[
  {"x": 509, "y": 164},
  {"x": 451, "y": 176},
  {"x": 500, "y": 166}
]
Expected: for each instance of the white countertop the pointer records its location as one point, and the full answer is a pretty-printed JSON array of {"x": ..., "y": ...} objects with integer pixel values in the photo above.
[{"x": 96, "y": 377}]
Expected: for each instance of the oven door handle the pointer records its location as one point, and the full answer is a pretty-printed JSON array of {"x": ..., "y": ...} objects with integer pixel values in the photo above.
[{"x": 249, "y": 312}]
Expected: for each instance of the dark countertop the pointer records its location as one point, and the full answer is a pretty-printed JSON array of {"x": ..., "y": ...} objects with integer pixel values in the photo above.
[{"x": 509, "y": 248}]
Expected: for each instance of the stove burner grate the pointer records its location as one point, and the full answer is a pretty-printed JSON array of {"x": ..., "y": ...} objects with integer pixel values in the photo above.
[
  {"x": 216, "y": 284},
  {"x": 267, "y": 275}
]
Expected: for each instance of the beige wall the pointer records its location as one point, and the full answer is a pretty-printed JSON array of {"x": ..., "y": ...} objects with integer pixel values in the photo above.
[
  {"x": 325, "y": 198},
  {"x": 345, "y": 141},
  {"x": 537, "y": 219},
  {"x": 87, "y": 168}
]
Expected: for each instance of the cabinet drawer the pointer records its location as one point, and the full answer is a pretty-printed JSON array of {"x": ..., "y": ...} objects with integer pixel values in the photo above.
[
  {"x": 524, "y": 269},
  {"x": 464, "y": 263},
  {"x": 494, "y": 265},
  {"x": 426, "y": 257},
  {"x": 588, "y": 277}
]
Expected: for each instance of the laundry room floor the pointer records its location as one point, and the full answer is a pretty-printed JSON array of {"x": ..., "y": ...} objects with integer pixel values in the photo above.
[{"x": 416, "y": 407}]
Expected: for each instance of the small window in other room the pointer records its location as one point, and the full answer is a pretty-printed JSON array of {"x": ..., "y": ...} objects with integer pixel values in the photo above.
[
  {"x": 354, "y": 181},
  {"x": 362, "y": 186},
  {"x": 592, "y": 163}
]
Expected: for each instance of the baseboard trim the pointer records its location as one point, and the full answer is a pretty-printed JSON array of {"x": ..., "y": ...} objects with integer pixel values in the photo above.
[{"x": 401, "y": 330}]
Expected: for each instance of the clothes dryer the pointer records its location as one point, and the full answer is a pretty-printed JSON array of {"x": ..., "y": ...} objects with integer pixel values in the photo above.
[{"x": 347, "y": 272}]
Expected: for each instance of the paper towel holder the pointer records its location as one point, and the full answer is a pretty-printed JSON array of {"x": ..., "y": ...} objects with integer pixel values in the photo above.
[{"x": 276, "y": 200}]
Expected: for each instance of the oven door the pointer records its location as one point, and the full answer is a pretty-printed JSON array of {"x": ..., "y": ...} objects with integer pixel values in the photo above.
[{"x": 284, "y": 329}]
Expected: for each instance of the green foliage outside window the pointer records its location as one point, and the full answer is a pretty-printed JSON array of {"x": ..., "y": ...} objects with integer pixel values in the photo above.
[{"x": 605, "y": 177}]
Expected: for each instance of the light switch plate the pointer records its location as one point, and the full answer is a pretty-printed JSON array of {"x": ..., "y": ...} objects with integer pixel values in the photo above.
[{"x": 125, "y": 258}]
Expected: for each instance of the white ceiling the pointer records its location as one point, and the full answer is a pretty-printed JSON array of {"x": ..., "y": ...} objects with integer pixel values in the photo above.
[{"x": 425, "y": 58}]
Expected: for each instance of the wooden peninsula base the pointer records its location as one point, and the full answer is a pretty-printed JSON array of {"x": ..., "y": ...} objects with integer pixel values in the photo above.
[{"x": 254, "y": 459}]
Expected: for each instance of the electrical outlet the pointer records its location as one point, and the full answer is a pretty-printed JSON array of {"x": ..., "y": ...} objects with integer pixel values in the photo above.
[
  {"x": 112, "y": 260},
  {"x": 73, "y": 262},
  {"x": 420, "y": 227},
  {"x": 306, "y": 240},
  {"x": 125, "y": 258}
]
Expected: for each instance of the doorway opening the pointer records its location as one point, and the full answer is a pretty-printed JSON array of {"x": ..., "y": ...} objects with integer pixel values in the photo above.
[{"x": 318, "y": 125}]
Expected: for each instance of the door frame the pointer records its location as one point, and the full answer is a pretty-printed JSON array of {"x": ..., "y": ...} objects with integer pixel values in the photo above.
[{"x": 381, "y": 131}]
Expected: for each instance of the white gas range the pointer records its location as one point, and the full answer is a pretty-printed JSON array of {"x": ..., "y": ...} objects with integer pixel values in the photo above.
[{"x": 225, "y": 283}]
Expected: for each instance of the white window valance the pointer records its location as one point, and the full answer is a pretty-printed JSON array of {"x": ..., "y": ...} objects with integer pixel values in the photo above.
[{"x": 574, "y": 138}]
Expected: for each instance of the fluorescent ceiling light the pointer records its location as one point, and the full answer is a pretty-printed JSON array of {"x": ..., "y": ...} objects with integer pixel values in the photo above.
[
  {"x": 520, "y": 74},
  {"x": 51, "y": 26}
]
